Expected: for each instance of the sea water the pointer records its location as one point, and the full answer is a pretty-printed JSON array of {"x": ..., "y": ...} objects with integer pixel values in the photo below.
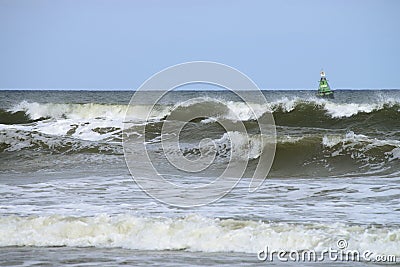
[{"x": 67, "y": 196}]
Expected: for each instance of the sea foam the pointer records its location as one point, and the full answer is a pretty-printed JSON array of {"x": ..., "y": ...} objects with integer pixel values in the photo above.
[{"x": 192, "y": 233}]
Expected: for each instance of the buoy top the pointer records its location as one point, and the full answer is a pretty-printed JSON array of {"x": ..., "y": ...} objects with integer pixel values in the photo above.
[{"x": 322, "y": 74}]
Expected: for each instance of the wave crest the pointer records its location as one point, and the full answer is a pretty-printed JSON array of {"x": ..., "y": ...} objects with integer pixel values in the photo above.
[
  {"x": 192, "y": 233},
  {"x": 26, "y": 111}
]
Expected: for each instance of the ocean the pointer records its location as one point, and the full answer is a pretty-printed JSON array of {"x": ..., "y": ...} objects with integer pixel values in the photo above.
[{"x": 67, "y": 196}]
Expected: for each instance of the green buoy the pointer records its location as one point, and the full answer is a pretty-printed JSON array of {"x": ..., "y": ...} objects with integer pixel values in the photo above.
[{"x": 324, "y": 90}]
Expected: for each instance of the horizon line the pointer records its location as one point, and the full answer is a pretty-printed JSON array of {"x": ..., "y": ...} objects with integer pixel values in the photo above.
[{"x": 191, "y": 89}]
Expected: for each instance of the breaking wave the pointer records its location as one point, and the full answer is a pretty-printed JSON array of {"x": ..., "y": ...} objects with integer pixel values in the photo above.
[
  {"x": 39, "y": 111},
  {"x": 305, "y": 146},
  {"x": 286, "y": 111},
  {"x": 308, "y": 155},
  {"x": 191, "y": 233}
]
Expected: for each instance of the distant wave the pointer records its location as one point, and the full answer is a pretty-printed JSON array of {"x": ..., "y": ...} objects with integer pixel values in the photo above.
[
  {"x": 283, "y": 109},
  {"x": 368, "y": 141},
  {"x": 192, "y": 233},
  {"x": 40, "y": 111}
]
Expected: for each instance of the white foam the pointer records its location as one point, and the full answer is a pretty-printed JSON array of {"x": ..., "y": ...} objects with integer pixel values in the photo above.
[
  {"x": 244, "y": 112},
  {"x": 285, "y": 104},
  {"x": 350, "y": 138},
  {"x": 193, "y": 233},
  {"x": 349, "y": 109},
  {"x": 243, "y": 146},
  {"x": 334, "y": 109},
  {"x": 79, "y": 121},
  {"x": 236, "y": 110},
  {"x": 72, "y": 111},
  {"x": 394, "y": 154},
  {"x": 359, "y": 146},
  {"x": 236, "y": 144},
  {"x": 333, "y": 140}
]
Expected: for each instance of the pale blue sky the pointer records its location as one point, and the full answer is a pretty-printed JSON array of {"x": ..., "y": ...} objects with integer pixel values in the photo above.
[{"x": 281, "y": 44}]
